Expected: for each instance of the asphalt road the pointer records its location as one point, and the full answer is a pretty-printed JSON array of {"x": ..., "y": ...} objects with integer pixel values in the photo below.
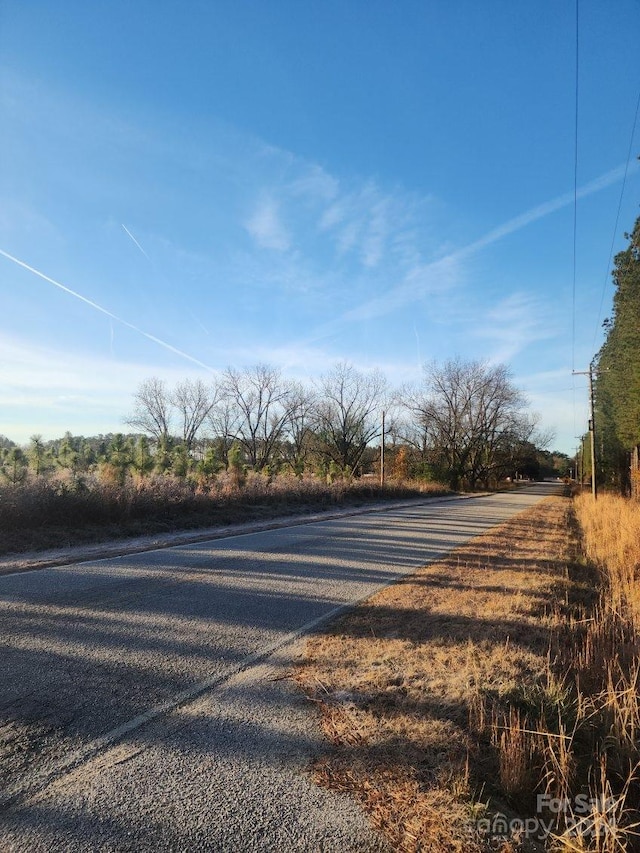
[{"x": 141, "y": 700}]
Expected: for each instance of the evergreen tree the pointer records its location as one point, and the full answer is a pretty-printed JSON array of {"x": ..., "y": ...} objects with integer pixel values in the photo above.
[
  {"x": 37, "y": 454},
  {"x": 142, "y": 461},
  {"x": 67, "y": 456},
  {"x": 120, "y": 457},
  {"x": 617, "y": 385},
  {"x": 13, "y": 464}
]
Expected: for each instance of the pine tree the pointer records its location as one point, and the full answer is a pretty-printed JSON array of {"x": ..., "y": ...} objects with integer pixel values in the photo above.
[{"x": 618, "y": 374}]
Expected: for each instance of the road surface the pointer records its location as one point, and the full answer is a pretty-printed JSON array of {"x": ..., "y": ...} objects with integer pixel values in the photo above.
[{"x": 142, "y": 704}]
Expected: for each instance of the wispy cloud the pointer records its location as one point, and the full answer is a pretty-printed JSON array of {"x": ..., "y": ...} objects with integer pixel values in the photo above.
[
  {"x": 376, "y": 235},
  {"x": 316, "y": 183},
  {"x": 442, "y": 274},
  {"x": 49, "y": 390},
  {"x": 562, "y": 402},
  {"x": 513, "y": 324},
  {"x": 19, "y": 219},
  {"x": 342, "y": 239},
  {"x": 308, "y": 362},
  {"x": 266, "y": 227},
  {"x": 368, "y": 221},
  {"x": 420, "y": 280}
]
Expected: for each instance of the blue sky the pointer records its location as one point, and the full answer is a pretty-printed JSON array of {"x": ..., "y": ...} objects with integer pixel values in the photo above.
[{"x": 298, "y": 183}]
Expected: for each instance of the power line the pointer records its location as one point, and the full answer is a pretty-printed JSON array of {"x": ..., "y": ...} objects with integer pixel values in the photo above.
[
  {"x": 575, "y": 213},
  {"x": 575, "y": 194}
]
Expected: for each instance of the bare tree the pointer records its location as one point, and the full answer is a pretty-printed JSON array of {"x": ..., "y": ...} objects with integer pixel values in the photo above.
[
  {"x": 260, "y": 400},
  {"x": 152, "y": 412},
  {"x": 223, "y": 422},
  {"x": 470, "y": 416},
  {"x": 193, "y": 401},
  {"x": 298, "y": 428},
  {"x": 348, "y": 413}
]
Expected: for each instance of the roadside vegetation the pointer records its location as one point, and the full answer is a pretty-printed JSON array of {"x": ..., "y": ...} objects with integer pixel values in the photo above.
[
  {"x": 64, "y": 511},
  {"x": 490, "y": 701},
  {"x": 254, "y": 444},
  {"x": 616, "y": 372}
]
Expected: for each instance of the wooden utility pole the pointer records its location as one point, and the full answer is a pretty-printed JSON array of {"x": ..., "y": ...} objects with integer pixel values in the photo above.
[
  {"x": 592, "y": 426},
  {"x": 581, "y": 462},
  {"x": 634, "y": 471},
  {"x": 382, "y": 453},
  {"x": 594, "y": 479}
]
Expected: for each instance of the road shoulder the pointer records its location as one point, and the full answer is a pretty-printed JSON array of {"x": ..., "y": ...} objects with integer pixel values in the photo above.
[{"x": 399, "y": 679}]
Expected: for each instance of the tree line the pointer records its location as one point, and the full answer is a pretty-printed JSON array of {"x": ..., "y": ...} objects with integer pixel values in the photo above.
[
  {"x": 464, "y": 424},
  {"x": 617, "y": 377}
]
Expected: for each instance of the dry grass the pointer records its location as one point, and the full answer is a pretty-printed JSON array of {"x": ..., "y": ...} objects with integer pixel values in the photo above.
[
  {"x": 399, "y": 679},
  {"x": 503, "y": 673},
  {"x": 611, "y": 528},
  {"x": 68, "y": 509}
]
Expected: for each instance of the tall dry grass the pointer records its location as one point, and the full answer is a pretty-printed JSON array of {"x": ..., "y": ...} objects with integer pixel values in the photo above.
[
  {"x": 67, "y": 508},
  {"x": 586, "y": 754},
  {"x": 498, "y": 685},
  {"x": 398, "y": 679},
  {"x": 611, "y": 536}
]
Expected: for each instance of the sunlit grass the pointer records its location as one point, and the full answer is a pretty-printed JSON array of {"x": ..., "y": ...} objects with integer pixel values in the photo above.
[
  {"x": 611, "y": 528},
  {"x": 506, "y": 672}
]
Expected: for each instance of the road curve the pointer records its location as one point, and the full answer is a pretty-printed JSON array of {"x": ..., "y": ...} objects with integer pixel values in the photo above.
[{"x": 142, "y": 705}]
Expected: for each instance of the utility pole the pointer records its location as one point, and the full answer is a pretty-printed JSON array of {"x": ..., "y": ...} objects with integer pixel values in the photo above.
[
  {"x": 580, "y": 461},
  {"x": 382, "y": 454},
  {"x": 592, "y": 426}
]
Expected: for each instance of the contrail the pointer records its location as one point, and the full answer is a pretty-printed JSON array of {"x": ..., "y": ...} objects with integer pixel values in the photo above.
[
  {"x": 104, "y": 311},
  {"x": 136, "y": 242},
  {"x": 541, "y": 210},
  {"x": 415, "y": 329},
  {"x": 195, "y": 320},
  {"x": 435, "y": 271}
]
